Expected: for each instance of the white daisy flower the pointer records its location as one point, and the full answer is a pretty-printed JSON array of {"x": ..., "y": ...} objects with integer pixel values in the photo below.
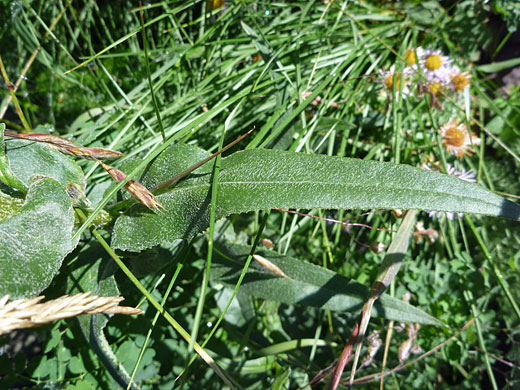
[
  {"x": 436, "y": 66},
  {"x": 387, "y": 79},
  {"x": 458, "y": 80},
  {"x": 457, "y": 139}
]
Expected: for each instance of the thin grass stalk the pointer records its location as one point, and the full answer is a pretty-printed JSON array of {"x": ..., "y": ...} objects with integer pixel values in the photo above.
[
  {"x": 152, "y": 327},
  {"x": 10, "y": 87},
  {"x": 31, "y": 60},
  {"x": 470, "y": 299},
  {"x": 185, "y": 335},
  {"x": 206, "y": 275},
  {"x": 239, "y": 282},
  {"x": 148, "y": 73}
]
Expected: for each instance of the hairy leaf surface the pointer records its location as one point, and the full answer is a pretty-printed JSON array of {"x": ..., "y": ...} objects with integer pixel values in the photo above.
[
  {"x": 27, "y": 158},
  {"x": 35, "y": 239},
  {"x": 264, "y": 179}
]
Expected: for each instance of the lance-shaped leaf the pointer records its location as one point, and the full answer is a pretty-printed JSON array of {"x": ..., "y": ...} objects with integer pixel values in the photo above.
[
  {"x": 35, "y": 239},
  {"x": 264, "y": 179},
  {"x": 305, "y": 284}
]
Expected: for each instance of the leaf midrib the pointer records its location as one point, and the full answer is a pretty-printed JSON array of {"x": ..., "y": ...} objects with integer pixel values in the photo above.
[{"x": 347, "y": 185}]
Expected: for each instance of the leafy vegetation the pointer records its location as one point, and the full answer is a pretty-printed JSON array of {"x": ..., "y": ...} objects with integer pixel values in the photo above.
[{"x": 255, "y": 268}]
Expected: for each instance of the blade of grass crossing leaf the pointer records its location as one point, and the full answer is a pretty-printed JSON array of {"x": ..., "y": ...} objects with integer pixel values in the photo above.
[
  {"x": 185, "y": 335},
  {"x": 205, "y": 278},
  {"x": 239, "y": 282},
  {"x": 214, "y": 192}
]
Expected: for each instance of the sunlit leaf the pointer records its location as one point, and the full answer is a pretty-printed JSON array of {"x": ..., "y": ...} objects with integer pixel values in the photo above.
[{"x": 265, "y": 179}]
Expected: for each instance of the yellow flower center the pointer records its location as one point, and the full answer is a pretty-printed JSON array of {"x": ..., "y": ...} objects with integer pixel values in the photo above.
[
  {"x": 389, "y": 81},
  {"x": 460, "y": 81},
  {"x": 454, "y": 137},
  {"x": 410, "y": 57},
  {"x": 436, "y": 88},
  {"x": 215, "y": 4},
  {"x": 433, "y": 62}
]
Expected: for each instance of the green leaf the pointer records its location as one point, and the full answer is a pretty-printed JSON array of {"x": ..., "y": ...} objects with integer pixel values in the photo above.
[
  {"x": 9, "y": 205},
  {"x": 264, "y": 179},
  {"x": 28, "y": 158},
  {"x": 495, "y": 67},
  {"x": 35, "y": 239},
  {"x": 306, "y": 284},
  {"x": 6, "y": 174}
]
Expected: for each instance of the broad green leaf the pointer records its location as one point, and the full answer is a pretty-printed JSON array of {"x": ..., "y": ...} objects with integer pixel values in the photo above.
[
  {"x": 262, "y": 179},
  {"x": 9, "y": 205},
  {"x": 93, "y": 271},
  {"x": 306, "y": 284},
  {"x": 35, "y": 239},
  {"x": 27, "y": 159}
]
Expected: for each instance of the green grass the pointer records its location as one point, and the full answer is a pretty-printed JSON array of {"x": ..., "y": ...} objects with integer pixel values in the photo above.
[{"x": 190, "y": 75}]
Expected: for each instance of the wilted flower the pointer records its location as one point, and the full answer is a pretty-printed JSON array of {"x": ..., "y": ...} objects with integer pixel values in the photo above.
[
  {"x": 377, "y": 247},
  {"x": 398, "y": 213},
  {"x": 436, "y": 88},
  {"x": 430, "y": 234},
  {"x": 457, "y": 139},
  {"x": 407, "y": 347},
  {"x": 374, "y": 343},
  {"x": 458, "y": 80}
]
